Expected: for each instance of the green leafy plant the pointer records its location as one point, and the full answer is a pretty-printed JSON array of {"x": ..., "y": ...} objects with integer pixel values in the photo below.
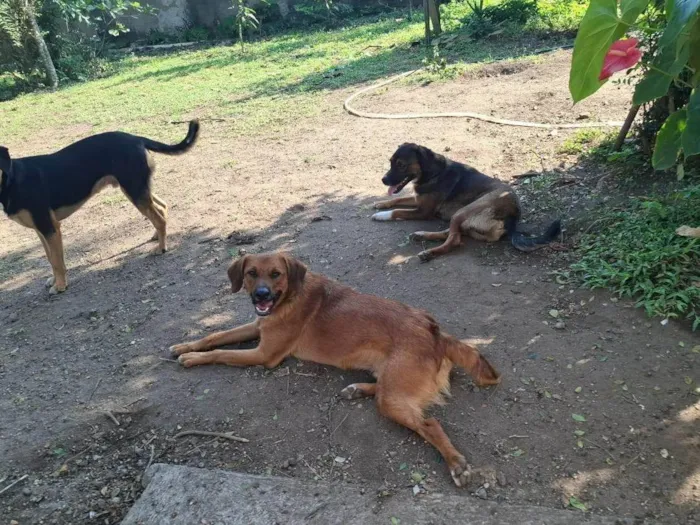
[
  {"x": 245, "y": 18},
  {"x": 638, "y": 255},
  {"x": 671, "y": 35}
]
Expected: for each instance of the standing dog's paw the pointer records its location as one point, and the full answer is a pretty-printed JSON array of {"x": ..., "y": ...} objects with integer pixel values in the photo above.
[
  {"x": 49, "y": 282},
  {"x": 382, "y": 216}
]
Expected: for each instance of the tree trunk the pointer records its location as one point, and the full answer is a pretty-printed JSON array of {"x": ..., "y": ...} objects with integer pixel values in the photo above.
[
  {"x": 41, "y": 46},
  {"x": 284, "y": 8},
  {"x": 435, "y": 16}
]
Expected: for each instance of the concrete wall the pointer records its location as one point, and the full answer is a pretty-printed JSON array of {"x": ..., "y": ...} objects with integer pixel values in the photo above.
[{"x": 172, "y": 15}]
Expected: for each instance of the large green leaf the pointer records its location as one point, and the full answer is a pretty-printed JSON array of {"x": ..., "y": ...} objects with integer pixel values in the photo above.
[
  {"x": 691, "y": 135},
  {"x": 694, "y": 59},
  {"x": 678, "y": 14},
  {"x": 668, "y": 141},
  {"x": 631, "y": 9},
  {"x": 599, "y": 28},
  {"x": 666, "y": 66}
]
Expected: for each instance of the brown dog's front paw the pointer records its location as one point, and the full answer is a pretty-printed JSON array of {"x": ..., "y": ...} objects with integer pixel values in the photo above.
[
  {"x": 460, "y": 471},
  {"x": 180, "y": 349},
  {"x": 425, "y": 256},
  {"x": 190, "y": 359},
  {"x": 381, "y": 205}
]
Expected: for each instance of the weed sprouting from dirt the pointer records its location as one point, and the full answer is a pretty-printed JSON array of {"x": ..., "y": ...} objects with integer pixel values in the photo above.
[{"x": 637, "y": 254}]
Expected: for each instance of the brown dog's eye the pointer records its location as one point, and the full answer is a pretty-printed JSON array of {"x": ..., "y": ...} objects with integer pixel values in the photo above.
[
  {"x": 275, "y": 274},
  {"x": 253, "y": 273}
]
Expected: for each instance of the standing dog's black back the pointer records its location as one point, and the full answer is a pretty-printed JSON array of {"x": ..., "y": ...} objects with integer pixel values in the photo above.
[{"x": 40, "y": 191}]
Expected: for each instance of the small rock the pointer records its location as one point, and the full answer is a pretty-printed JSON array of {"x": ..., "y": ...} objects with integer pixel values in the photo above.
[
  {"x": 27, "y": 491},
  {"x": 285, "y": 464},
  {"x": 392, "y": 454},
  {"x": 664, "y": 453},
  {"x": 583, "y": 116},
  {"x": 116, "y": 500},
  {"x": 416, "y": 490},
  {"x": 292, "y": 462},
  {"x": 13, "y": 317},
  {"x": 340, "y": 460},
  {"x": 481, "y": 493},
  {"x": 501, "y": 478},
  {"x": 559, "y": 325}
]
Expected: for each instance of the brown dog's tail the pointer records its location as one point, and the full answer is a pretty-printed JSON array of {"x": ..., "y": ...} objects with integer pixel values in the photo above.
[
  {"x": 182, "y": 147},
  {"x": 472, "y": 361}
]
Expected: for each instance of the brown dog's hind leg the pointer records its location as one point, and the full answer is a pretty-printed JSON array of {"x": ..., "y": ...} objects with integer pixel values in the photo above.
[
  {"x": 430, "y": 236},
  {"x": 454, "y": 239},
  {"x": 358, "y": 390}
]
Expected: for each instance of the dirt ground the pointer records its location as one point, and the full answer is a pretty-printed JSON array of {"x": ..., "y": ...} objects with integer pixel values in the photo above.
[{"x": 68, "y": 361}]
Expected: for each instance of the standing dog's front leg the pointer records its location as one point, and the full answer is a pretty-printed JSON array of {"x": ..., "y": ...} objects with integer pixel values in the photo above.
[{"x": 247, "y": 332}]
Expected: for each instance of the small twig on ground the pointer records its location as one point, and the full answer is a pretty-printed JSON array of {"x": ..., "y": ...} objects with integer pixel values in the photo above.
[
  {"x": 198, "y": 447},
  {"x": 339, "y": 425},
  {"x": 635, "y": 458},
  {"x": 223, "y": 435},
  {"x": 598, "y": 446},
  {"x": 94, "y": 389},
  {"x": 305, "y": 375},
  {"x": 111, "y": 416},
  {"x": 134, "y": 402},
  {"x": 312, "y": 470},
  {"x": 210, "y": 119},
  {"x": 14, "y": 483},
  {"x": 515, "y": 436},
  {"x": 153, "y": 454}
]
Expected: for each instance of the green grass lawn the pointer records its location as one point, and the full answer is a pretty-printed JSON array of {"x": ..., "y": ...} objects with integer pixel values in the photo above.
[{"x": 270, "y": 83}]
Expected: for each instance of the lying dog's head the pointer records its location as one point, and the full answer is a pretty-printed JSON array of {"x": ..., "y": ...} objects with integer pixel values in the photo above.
[
  {"x": 269, "y": 279},
  {"x": 412, "y": 163}
]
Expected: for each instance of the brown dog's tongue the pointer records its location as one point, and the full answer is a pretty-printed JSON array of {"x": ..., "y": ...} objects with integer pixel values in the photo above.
[{"x": 393, "y": 189}]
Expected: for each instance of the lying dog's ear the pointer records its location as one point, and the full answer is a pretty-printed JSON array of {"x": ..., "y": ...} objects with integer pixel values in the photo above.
[
  {"x": 430, "y": 162},
  {"x": 296, "y": 272},
  {"x": 235, "y": 273},
  {"x": 5, "y": 161}
]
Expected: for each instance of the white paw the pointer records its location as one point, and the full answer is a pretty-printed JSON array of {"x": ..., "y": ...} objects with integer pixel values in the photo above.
[
  {"x": 50, "y": 281},
  {"x": 382, "y": 216}
]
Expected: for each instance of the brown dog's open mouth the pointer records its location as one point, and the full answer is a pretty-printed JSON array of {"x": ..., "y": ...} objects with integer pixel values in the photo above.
[
  {"x": 263, "y": 308},
  {"x": 393, "y": 190}
]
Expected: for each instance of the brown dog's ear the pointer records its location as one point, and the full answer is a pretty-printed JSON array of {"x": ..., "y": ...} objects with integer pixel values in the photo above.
[
  {"x": 296, "y": 272},
  {"x": 5, "y": 161},
  {"x": 235, "y": 273}
]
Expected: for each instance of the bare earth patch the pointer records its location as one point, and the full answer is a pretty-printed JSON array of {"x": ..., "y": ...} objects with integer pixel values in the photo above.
[{"x": 597, "y": 400}]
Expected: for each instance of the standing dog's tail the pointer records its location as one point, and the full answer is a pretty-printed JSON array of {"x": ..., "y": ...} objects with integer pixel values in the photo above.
[
  {"x": 182, "y": 147},
  {"x": 529, "y": 244},
  {"x": 471, "y": 360}
]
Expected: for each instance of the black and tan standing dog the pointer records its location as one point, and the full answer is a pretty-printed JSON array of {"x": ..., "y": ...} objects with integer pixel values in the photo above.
[
  {"x": 39, "y": 192},
  {"x": 475, "y": 204}
]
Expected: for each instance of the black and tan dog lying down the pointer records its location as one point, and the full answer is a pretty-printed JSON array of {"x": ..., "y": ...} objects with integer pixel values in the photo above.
[
  {"x": 476, "y": 205},
  {"x": 39, "y": 192}
]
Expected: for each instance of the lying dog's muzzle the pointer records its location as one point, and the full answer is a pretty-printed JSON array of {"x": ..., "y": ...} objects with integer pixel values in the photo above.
[{"x": 263, "y": 300}]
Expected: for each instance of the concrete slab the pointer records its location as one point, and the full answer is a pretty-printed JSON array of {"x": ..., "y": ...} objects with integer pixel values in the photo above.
[{"x": 177, "y": 495}]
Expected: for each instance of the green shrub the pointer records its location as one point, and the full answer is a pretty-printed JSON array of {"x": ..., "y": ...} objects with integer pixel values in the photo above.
[{"x": 637, "y": 254}]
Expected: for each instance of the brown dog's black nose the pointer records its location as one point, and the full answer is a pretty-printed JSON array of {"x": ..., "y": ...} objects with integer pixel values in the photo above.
[{"x": 262, "y": 293}]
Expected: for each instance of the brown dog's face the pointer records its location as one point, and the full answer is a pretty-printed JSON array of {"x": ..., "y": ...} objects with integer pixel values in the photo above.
[{"x": 268, "y": 278}]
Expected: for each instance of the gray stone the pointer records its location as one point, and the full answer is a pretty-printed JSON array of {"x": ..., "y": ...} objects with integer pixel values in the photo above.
[{"x": 178, "y": 495}]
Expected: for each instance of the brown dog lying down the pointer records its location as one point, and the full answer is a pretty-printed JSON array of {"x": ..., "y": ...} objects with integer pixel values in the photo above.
[{"x": 311, "y": 317}]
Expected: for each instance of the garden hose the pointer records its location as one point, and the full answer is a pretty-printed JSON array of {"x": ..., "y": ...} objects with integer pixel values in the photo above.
[{"x": 464, "y": 114}]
